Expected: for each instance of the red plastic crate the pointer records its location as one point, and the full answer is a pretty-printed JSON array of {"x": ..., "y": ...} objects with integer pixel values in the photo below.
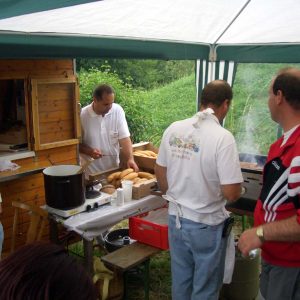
[{"x": 149, "y": 233}]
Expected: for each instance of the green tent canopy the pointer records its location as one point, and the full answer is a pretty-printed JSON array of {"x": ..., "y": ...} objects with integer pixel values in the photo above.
[{"x": 233, "y": 30}]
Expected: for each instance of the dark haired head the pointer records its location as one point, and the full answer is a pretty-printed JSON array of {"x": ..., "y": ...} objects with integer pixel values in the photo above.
[
  {"x": 102, "y": 89},
  {"x": 288, "y": 82},
  {"x": 215, "y": 93},
  {"x": 44, "y": 271}
]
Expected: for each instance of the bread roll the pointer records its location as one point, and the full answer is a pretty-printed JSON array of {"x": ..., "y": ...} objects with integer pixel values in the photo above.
[
  {"x": 130, "y": 176},
  {"x": 146, "y": 175},
  {"x": 109, "y": 189},
  {"x": 125, "y": 172},
  {"x": 113, "y": 176}
]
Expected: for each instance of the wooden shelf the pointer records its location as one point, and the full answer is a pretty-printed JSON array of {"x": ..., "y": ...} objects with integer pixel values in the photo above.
[{"x": 34, "y": 168}]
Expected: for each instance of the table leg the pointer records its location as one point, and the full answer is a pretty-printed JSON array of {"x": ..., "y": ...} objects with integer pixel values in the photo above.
[
  {"x": 53, "y": 230},
  {"x": 146, "y": 278},
  {"x": 88, "y": 255}
]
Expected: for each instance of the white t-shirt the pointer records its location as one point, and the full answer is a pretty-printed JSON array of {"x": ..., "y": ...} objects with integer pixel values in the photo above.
[
  {"x": 103, "y": 133},
  {"x": 287, "y": 135},
  {"x": 198, "y": 161}
]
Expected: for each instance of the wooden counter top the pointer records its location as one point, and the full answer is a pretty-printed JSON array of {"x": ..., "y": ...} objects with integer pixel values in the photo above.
[{"x": 33, "y": 168}]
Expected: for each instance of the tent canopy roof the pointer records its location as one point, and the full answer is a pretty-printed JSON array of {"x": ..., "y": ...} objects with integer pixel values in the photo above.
[{"x": 241, "y": 30}]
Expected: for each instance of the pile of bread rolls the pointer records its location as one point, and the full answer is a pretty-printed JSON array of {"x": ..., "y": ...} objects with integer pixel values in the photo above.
[
  {"x": 114, "y": 179},
  {"x": 145, "y": 153}
]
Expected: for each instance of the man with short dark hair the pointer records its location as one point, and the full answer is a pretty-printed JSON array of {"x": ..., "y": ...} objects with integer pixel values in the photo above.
[
  {"x": 277, "y": 212},
  {"x": 198, "y": 168},
  {"x": 104, "y": 131}
]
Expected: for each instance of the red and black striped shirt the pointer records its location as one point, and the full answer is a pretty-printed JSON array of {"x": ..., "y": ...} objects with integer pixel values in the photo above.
[{"x": 279, "y": 198}]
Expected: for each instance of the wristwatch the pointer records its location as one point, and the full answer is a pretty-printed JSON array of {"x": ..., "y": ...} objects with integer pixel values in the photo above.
[{"x": 260, "y": 233}]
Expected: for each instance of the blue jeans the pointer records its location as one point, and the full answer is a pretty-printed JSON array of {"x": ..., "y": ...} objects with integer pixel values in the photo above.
[
  {"x": 197, "y": 259},
  {"x": 1, "y": 238}
]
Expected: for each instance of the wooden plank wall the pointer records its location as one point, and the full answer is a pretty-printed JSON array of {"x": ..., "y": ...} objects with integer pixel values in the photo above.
[{"x": 30, "y": 189}]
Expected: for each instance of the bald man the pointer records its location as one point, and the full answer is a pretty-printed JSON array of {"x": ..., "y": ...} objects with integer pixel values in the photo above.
[{"x": 277, "y": 213}]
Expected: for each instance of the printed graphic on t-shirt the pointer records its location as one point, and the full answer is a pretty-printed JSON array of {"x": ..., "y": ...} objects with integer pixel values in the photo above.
[{"x": 184, "y": 147}]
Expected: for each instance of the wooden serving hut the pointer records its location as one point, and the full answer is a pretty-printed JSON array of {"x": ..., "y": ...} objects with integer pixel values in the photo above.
[{"x": 39, "y": 127}]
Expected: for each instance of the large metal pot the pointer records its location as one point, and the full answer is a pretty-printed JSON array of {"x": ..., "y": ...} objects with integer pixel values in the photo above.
[{"x": 64, "y": 186}]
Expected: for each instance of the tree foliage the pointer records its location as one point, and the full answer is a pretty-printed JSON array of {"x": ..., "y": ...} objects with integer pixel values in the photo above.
[{"x": 141, "y": 74}]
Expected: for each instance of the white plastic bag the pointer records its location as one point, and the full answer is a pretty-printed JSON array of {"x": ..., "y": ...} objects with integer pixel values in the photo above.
[
  {"x": 7, "y": 165},
  {"x": 229, "y": 259}
]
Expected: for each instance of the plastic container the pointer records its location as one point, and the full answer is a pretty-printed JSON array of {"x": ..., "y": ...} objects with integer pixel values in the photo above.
[
  {"x": 148, "y": 232},
  {"x": 245, "y": 279},
  {"x": 127, "y": 189},
  {"x": 120, "y": 197}
]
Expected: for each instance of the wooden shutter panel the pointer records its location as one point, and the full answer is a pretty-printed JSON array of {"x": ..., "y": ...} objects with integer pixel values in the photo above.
[{"x": 55, "y": 115}]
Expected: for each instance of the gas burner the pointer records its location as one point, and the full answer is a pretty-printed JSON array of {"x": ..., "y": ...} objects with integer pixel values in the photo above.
[
  {"x": 91, "y": 193},
  {"x": 89, "y": 205}
]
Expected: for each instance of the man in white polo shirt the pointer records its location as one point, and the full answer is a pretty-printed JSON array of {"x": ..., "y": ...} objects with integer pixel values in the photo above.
[
  {"x": 198, "y": 168},
  {"x": 104, "y": 132}
]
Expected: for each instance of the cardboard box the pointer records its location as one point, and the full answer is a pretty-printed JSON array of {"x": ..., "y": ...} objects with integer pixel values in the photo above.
[
  {"x": 139, "y": 191},
  {"x": 102, "y": 175},
  {"x": 143, "y": 189},
  {"x": 145, "y": 163}
]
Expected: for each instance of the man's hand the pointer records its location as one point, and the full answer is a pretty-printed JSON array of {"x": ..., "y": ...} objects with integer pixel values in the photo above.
[
  {"x": 249, "y": 241},
  {"x": 131, "y": 164},
  {"x": 95, "y": 153},
  {"x": 92, "y": 152}
]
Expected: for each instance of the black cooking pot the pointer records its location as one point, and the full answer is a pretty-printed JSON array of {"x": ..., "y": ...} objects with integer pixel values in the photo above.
[{"x": 64, "y": 188}]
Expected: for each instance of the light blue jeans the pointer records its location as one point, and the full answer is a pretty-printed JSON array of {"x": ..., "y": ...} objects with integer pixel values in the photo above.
[
  {"x": 1, "y": 238},
  {"x": 197, "y": 259}
]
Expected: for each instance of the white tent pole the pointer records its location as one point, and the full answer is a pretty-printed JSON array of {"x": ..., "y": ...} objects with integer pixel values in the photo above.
[
  {"x": 198, "y": 61},
  {"x": 232, "y": 21},
  {"x": 212, "y": 60}
]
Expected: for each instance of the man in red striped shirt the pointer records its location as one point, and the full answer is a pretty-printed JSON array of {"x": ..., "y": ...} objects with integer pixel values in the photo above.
[{"x": 277, "y": 212}]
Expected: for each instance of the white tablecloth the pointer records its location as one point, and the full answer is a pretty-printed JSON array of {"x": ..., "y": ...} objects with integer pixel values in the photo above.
[{"x": 92, "y": 224}]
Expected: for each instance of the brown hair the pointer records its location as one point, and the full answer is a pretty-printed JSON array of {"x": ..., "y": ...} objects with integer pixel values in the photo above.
[
  {"x": 44, "y": 271},
  {"x": 288, "y": 82},
  {"x": 216, "y": 92},
  {"x": 102, "y": 89}
]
